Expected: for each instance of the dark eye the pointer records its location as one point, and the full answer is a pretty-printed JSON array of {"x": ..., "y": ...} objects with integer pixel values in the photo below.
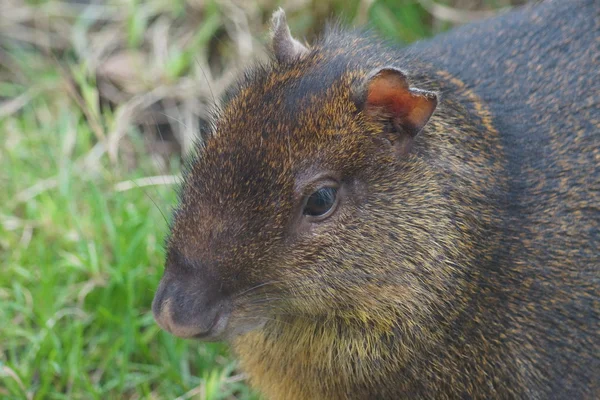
[{"x": 320, "y": 202}]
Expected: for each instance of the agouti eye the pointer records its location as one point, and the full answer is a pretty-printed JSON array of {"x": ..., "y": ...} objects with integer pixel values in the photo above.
[{"x": 321, "y": 202}]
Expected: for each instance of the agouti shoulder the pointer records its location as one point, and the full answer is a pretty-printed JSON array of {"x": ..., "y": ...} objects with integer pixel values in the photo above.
[{"x": 365, "y": 222}]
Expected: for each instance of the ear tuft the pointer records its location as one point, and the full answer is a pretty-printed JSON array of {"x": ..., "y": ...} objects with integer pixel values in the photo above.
[
  {"x": 285, "y": 47},
  {"x": 386, "y": 95}
]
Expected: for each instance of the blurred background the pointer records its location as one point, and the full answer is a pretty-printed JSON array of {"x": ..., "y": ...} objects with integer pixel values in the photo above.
[{"x": 99, "y": 100}]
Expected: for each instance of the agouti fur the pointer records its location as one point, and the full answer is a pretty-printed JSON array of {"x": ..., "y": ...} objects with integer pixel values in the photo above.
[{"x": 462, "y": 259}]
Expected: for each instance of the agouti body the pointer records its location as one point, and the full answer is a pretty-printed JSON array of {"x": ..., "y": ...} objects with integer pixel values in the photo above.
[{"x": 365, "y": 222}]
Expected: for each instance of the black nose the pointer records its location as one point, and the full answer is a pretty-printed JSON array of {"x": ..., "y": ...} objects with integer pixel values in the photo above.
[{"x": 190, "y": 303}]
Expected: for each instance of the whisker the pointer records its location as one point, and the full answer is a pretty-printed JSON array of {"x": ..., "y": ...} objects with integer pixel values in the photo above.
[
  {"x": 207, "y": 81},
  {"x": 265, "y": 319},
  {"x": 256, "y": 287},
  {"x": 153, "y": 202},
  {"x": 170, "y": 117}
]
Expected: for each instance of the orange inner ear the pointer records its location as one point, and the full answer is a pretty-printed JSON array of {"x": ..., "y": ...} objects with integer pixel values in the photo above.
[
  {"x": 388, "y": 92},
  {"x": 421, "y": 110}
]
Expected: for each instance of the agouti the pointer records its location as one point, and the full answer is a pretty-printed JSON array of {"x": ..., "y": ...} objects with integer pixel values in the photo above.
[{"x": 365, "y": 222}]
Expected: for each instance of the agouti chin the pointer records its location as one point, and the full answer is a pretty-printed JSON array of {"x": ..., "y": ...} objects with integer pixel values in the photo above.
[{"x": 366, "y": 222}]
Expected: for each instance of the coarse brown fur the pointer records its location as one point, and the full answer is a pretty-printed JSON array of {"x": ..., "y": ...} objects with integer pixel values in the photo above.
[{"x": 465, "y": 268}]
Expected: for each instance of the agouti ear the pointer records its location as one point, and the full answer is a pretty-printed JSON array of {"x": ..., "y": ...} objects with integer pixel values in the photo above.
[
  {"x": 285, "y": 47},
  {"x": 385, "y": 96}
]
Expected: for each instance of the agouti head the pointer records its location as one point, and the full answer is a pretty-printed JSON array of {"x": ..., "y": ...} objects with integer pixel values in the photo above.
[{"x": 309, "y": 200}]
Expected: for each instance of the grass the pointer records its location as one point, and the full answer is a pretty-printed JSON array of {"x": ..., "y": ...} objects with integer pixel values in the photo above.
[
  {"x": 80, "y": 261},
  {"x": 80, "y": 247}
]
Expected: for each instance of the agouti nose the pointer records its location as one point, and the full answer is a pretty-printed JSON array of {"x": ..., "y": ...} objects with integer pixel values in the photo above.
[{"x": 190, "y": 308}]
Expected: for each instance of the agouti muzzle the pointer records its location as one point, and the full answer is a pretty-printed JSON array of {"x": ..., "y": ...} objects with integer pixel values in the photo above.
[{"x": 365, "y": 222}]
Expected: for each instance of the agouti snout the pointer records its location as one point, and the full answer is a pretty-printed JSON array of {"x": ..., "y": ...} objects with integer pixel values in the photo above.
[
  {"x": 188, "y": 305},
  {"x": 365, "y": 222}
]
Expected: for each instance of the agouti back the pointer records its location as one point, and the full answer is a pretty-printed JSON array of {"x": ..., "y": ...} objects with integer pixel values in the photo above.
[{"x": 365, "y": 222}]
